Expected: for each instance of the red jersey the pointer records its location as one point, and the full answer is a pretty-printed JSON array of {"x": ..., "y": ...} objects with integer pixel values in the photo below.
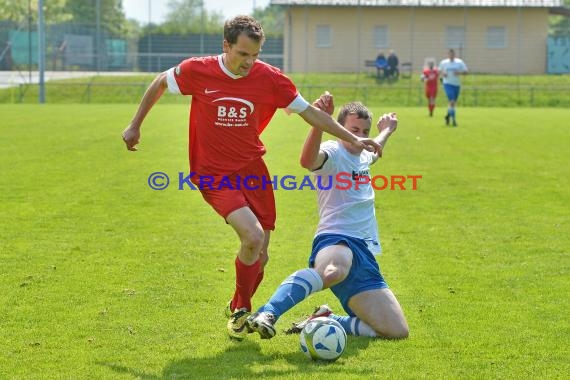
[
  {"x": 228, "y": 112},
  {"x": 431, "y": 77}
]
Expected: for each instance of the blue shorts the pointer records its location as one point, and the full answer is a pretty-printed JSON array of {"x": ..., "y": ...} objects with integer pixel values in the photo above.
[
  {"x": 364, "y": 273},
  {"x": 451, "y": 91}
]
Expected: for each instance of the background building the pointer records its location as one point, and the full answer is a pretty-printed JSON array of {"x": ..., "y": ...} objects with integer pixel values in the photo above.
[{"x": 492, "y": 36}]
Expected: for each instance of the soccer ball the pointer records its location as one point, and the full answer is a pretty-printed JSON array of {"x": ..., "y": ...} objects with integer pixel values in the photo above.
[{"x": 323, "y": 339}]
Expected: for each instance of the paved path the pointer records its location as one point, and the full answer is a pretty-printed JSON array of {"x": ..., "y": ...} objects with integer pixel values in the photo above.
[{"x": 15, "y": 78}]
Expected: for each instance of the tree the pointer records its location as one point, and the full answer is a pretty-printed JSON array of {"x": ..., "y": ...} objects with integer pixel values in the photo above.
[
  {"x": 560, "y": 25},
  {"x": 111, "y": 14},
  {"x": 18, "y": 11},
  {"x": 190, "y": 16},
  {"x": 272, "y": 18}
]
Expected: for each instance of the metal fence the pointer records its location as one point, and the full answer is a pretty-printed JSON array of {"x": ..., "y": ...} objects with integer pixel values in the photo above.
[
  {"x": 85, "y": 48},
  {"x": 403, "y": 93},
  {"x": 71, "y": 47}
]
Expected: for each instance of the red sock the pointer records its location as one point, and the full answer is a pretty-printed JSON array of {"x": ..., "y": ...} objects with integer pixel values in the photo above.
[
  {"x": 431, "y": 107},
  {"x": 246, "y": 277},
  {"x": 257, "y": 282},
  {"x": 255, "y": 286}
]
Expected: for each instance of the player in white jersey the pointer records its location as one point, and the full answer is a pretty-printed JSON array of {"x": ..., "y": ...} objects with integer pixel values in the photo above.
[
  {"x": 451, "y": 68},
  {"x": 346, "y": 240}
]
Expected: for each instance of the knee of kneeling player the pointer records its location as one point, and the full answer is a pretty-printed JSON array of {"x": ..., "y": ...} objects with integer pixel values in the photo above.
[
  {"x": 333, "y": 275},
  {"x": 400, "y": 331}
]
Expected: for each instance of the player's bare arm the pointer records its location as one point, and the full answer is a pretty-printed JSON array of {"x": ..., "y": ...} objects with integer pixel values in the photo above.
[
  {"x": 131, "y": 135},
  {"x": 323, "y": 121},
  {"x": 312, "y": 157},
  {"x": 325, "y": 103}
]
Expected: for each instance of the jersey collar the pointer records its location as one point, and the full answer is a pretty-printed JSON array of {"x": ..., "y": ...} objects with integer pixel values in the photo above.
[{"x": 225, "y": 69}]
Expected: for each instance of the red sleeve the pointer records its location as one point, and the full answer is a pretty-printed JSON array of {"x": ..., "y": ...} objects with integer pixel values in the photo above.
[
  {"x": 285, "y": 91},
  {"x": 183, "y": 76}
]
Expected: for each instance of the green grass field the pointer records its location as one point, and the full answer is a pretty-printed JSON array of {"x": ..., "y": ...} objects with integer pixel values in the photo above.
[{"x": 102, "y": 277}]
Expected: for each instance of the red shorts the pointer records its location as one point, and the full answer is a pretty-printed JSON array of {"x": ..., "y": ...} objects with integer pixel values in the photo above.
[
  {"x": 431, "y": 92},
  {"x": 248, "y": 187}
]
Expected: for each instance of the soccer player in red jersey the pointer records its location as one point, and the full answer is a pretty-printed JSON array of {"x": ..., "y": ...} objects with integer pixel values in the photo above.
[
  {"x": 234, "y": 96},
  {"x": 430, "y": 76}
]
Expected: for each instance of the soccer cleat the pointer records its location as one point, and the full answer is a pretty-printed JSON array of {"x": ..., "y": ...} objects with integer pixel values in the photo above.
[
  {"x": 454, "y": 123},
  {"x": 262, "y": 323},
  {"x": 237, "y": 324},
  {"x": 320, "y": 311},
  {"x": 447, "y": 119}
]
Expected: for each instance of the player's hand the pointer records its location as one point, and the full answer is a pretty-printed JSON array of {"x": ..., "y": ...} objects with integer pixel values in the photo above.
[
  {"x": 369, "y": 145},
  {"x": 131, "y": 137},
  {"x": 388, "y": 122},
  {"x": 325, "y": 103}
]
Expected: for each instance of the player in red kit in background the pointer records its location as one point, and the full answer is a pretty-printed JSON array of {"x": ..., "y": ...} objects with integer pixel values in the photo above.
[
  {"x": 430, "y": 77},
  {"x": 234, "y": 96}
]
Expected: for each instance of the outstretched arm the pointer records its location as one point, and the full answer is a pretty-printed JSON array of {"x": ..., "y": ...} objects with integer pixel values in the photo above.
[
  {"x": 387, "y": 124},
  {"x": 325, "y": 123},
  {"x": 131, "y": 135}
]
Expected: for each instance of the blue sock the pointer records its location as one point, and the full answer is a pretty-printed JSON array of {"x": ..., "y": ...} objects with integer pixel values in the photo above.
[
  {"x": 354, "y": 325},
  {"x": 452, "y": 113},
  {"x": 293, "y": 290}
]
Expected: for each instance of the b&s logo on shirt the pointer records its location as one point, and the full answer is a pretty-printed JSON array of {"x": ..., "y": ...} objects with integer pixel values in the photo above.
[
  {"x": 360, "y": 173},
  {"x": 233, "y": 112}
]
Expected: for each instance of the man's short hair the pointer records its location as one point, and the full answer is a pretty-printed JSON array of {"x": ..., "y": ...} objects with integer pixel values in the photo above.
[
  {"x": 243, "y": 24},
  {"x": 354, "y": 108}
]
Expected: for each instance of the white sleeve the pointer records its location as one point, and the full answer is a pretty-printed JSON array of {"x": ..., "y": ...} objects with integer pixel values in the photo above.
[
  {"x": 330, "y": 148},
  {"x": 172, "y": 84},
  {"x": 298, "y": 105}
]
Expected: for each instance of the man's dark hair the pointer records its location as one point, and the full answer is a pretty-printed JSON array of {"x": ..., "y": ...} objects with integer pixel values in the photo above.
[
  {"x": 243, "y": 24},
  {"x": 353, "y": 108}
]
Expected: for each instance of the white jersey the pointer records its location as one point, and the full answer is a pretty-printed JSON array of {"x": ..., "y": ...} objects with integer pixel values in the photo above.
[
  {"x": 449, "y": 67},
  {"x": 348, "y": 212}
]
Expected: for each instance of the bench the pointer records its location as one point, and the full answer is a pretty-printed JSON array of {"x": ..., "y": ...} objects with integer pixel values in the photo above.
[
  {"x": 406, "y": 69},
  {"x": 371, "y": 63}
]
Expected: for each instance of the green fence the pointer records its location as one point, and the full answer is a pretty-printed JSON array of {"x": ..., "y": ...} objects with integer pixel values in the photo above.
[{"x": 405, "y": 94}]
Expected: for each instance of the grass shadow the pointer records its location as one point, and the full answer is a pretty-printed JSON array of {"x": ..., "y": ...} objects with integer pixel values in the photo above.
[{"x": 245, "y": 360}]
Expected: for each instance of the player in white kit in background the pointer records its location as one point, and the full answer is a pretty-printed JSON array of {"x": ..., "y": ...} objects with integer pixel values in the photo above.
[{"x": 451, "y": 68}]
